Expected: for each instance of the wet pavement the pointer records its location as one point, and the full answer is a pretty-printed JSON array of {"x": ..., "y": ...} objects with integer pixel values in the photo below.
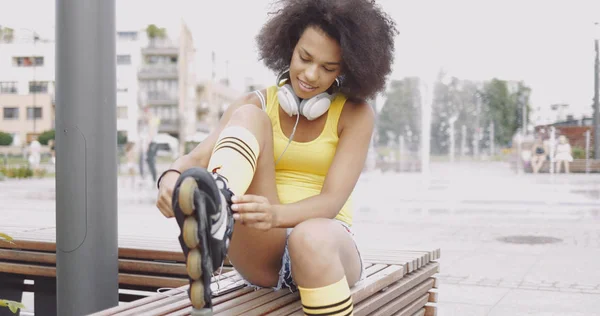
[{"x": 511, "y": 244}]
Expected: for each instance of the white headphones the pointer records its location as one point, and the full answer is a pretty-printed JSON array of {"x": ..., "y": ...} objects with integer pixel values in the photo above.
[{"x": 310, "y": 108}]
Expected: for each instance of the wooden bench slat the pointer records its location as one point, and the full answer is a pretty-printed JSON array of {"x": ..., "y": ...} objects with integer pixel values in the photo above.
[
  {"x": 27, "y": 269},
  {"x": 152, "y": 267},
  {"x": 420, "y": 312},
  {"x": 249, "y": 302},
  {"x": 404, "y": 285},
  {"x": 275, "y": 305},
  {"x": 433, "y": 296},
  {"x": 151, "y": 281},
  {"x": 165, "y": 309},
  {"x": 394, "y": 303},
  {"x": 406, "y": 311},
  {"x": 169, "y": 301},
  {"x": 367, "y": 287},
  {"x": 154, "y": 298},
  {"x": 27, "y": 256},
  {"x": 26, "y": 244},
  {"x": 140, "y": 302},
  {"x": 430, "y": 310},
  {"x": 233, "y": 283}
]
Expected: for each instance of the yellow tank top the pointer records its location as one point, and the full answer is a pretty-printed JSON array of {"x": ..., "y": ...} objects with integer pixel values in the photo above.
[{"x": 302, "y": 169}]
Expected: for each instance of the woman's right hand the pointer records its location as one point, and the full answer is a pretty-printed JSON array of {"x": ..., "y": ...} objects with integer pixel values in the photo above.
[{"x": 165, "y": 193}]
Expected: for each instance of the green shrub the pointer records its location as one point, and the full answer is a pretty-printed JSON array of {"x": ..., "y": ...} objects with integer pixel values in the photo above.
[
  {"x": 121, "y": 138},
  {"x": 5, "y": 139},
  {"x": 46, "y": 136},
  {"x": 578, "y": 153},
  {"x": 19, "y": 173},
  {"x": 12, "y": 305}
]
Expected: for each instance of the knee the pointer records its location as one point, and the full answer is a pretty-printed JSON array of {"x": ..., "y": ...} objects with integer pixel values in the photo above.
[
  {"x": 249, "y": 113},
  {"x": 310, "y": 241}
]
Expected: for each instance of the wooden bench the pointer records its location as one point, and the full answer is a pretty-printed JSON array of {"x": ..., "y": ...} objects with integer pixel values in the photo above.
[
  {"x": 28, "y": 265},
  {"x": 576, "y": 166},
  {"x": 397, "y": 283}
]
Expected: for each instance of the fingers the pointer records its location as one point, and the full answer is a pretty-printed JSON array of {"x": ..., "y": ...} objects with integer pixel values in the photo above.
[
  {"x": 164, "y": 205},
  {"x": 248, "y": 207},
  {"x": 249, "y": 198},
  {"x": 250, "y": 218}
]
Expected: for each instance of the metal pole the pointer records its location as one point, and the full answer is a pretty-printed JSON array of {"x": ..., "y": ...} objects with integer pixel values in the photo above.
[
  {"x": 596, "y": 97},
  {"x": 492, "y": 143},
  {"x": 35, "y": 92},
  {"x": 587, "y": 151},
  {"x": 451, "y": 149},
  {"x": 552, "y": 148},
  {"x": 463, "y": 142},
  {"x": 524, "y": 115},
  {"x": 86, "y": 160}
]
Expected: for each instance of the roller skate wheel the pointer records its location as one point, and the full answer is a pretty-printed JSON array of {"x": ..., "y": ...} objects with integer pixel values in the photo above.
[
  {"x": 190, "y": 232},
  {"x": 194, "y": 264},
  {"x": 186, "y": 195},
  {"x": 197, "y": 294}
]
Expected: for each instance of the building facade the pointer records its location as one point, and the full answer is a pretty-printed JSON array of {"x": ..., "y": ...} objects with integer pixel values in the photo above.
[
  {"x": 167, "y": 83},
  {"x": 26, "y": 89}
]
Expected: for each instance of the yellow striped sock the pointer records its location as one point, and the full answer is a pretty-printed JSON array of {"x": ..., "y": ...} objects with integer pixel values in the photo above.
[
  {"x": 331, "y": 300},
  {"x": 234, "y": 157}
]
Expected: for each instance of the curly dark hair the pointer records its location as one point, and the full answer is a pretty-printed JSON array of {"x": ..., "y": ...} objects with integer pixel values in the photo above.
[{"x": 364, "y": 32}]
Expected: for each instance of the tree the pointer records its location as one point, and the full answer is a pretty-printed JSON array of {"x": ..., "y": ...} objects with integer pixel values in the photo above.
[
  {"x": 6, "y": 34},
  {"x": 504, "y": 108},
  {"x": 154, "y": 32},
  {"x": 5, "y": 139},
  {"x": 46, "y": 136},
  {"x": 454, "y": 106},
  {"x": 399, "y": 115}
]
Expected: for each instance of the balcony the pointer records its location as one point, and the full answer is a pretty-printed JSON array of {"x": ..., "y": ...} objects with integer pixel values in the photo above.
[
  {"x": 160, "y": 47},
  {"x": 157, "y": 98},
  {"x": 170, "y": 126},
  {"x": 158, "y": 71}
]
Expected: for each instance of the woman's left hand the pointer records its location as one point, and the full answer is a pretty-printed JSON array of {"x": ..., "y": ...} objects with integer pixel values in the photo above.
[{"x": 253, "y": 211}]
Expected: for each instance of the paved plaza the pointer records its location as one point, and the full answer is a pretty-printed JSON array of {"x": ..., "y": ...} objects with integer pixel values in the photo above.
[{"x": 510, "y": 244}]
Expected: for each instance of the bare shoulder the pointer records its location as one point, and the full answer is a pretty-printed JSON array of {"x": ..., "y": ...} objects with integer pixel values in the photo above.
[{"x": 356, "y": 114}]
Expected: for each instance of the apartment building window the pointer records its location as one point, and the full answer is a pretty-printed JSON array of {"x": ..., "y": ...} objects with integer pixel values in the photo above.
[
  {"x": 28, "y": 61},
  {"x": 127, "y": 36},
  {"x": 123, "y": 59},
  {"x": 161, "y": 60},
  {"x": 10, "y": 113},
  {"x": 122, "y": 112},
  {"x": 34, "y": 113},
  {"x": 8, "y": 87},
  {"x": 161, "y": 89},
  {"x": 38, "y": 87}
]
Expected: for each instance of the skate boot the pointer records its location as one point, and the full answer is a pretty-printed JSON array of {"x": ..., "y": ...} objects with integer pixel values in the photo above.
[{"x": 202, "y": 206}]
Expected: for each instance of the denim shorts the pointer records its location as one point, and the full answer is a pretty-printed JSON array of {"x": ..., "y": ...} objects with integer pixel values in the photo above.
[{"x": 285, "y": 273}]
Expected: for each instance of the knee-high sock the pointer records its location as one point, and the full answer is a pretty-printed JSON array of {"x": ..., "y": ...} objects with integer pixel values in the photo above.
[
  {"x": 234, "y": 157},
  {"x": 333, "y": 299}
]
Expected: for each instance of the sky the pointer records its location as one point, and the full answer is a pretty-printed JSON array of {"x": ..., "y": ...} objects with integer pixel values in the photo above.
[{"x": 547, "y": 44}]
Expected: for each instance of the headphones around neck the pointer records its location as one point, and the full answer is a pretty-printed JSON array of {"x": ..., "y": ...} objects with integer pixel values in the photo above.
[{"x": 309, "y": 108}]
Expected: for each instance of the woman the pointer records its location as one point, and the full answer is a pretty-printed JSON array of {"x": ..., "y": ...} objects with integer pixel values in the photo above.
[
  {"x": 538, "y": 155},
  {"x": 285, "y": 179},
  {"x": 563, "y": 154}
]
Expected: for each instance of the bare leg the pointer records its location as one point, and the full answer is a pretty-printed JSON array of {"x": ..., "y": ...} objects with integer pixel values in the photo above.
[
  {"x": 558, "y": 166},
  {"x": 325, "y": 264},
  {"x": 323, "y": 252},
  {"x": 257, "y": 254},
  {"x": 535, "y": 164},
  {"x": 566, "y": 166}
]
